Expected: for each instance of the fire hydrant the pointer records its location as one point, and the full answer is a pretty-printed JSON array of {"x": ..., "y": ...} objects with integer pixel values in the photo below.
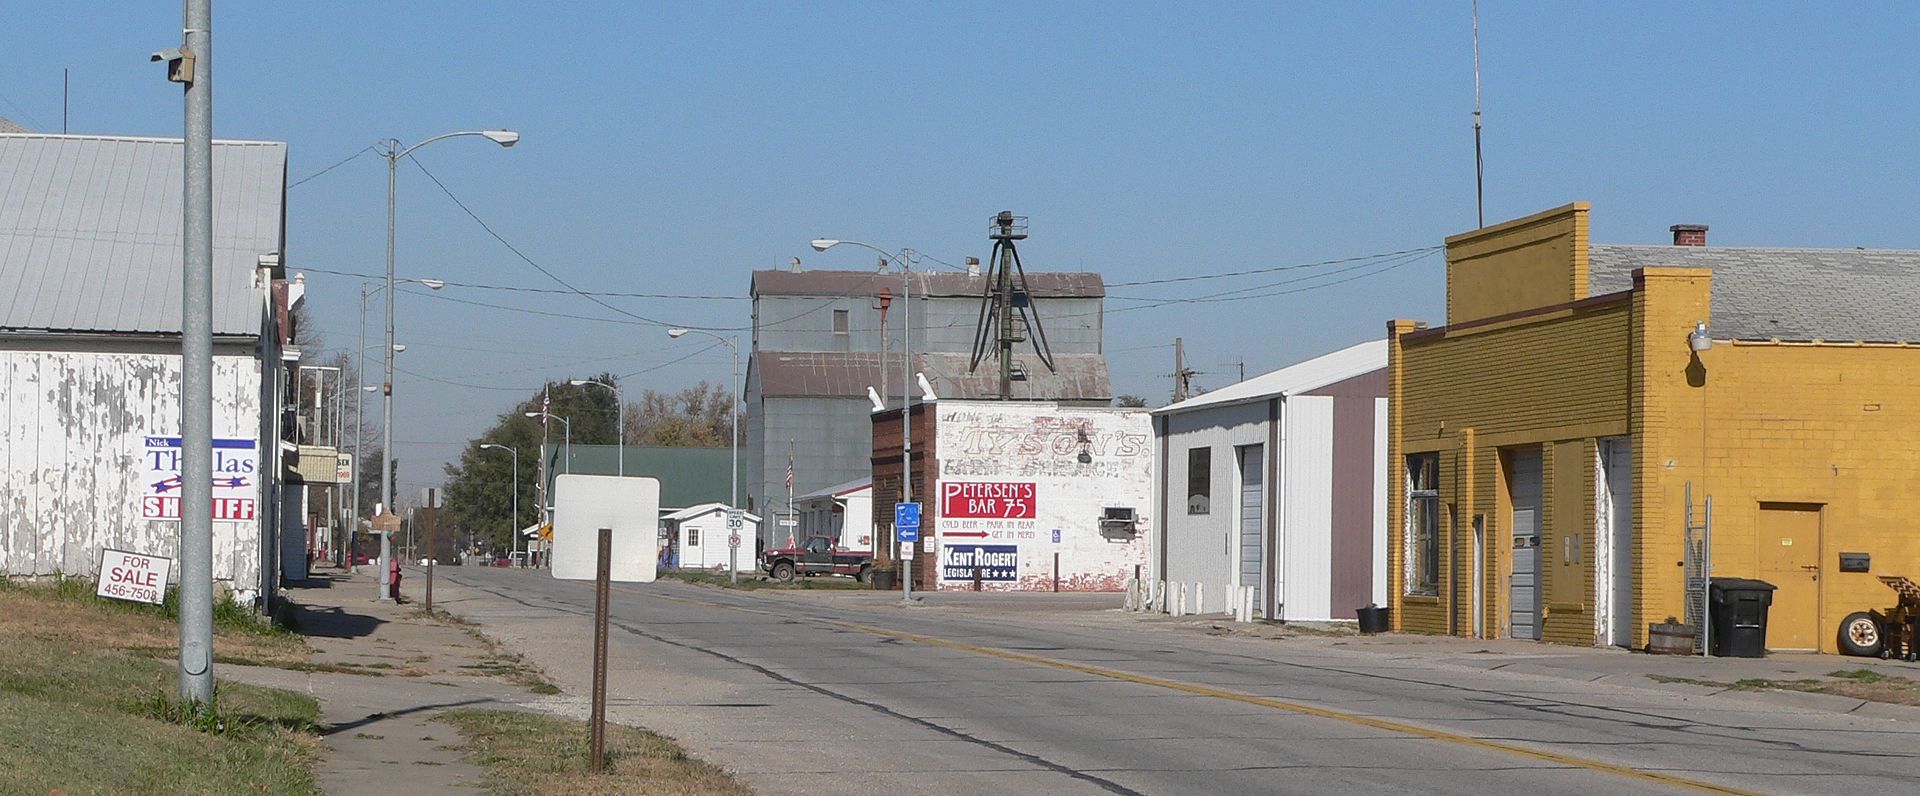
[{"x": 393, "y": 578}]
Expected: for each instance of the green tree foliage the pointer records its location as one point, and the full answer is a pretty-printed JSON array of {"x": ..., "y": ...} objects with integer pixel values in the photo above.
[
  {"x": 479, "y": 485},
  {"x": 696, "y": 417},
  {"x": 1129, "y": 401}
]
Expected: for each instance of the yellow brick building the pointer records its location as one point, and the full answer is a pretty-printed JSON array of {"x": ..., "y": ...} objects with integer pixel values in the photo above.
[{"x": 1545, "y": 441}]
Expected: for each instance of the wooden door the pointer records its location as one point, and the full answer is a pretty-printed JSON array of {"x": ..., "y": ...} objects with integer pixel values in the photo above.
[{"x": 1790, "y": 560}]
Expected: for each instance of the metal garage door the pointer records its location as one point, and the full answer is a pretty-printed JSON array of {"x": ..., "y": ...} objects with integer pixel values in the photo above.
[
  {"x": 1252, "y": 498},
  {"x": 1523, "y": 491}
]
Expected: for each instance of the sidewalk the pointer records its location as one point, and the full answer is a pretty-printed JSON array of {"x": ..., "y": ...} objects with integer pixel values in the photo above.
[{"x": 382, "y": 672}]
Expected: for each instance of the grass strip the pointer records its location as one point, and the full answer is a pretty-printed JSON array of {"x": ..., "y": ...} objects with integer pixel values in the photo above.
[
  {"x": 82, "y": 710},
  {"x": 529, "y": 754}
]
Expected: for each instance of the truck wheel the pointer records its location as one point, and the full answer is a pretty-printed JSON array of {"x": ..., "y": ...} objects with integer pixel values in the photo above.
[
  {"x": 1860, "y": 634},
  {"x": 783, "y": 572},
  {"x": 864, "y": 575}
]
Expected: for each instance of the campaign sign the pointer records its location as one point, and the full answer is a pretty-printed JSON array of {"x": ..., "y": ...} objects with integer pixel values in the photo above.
[
  {"x": 1007, "y": 500},
  {"x": 133, "y": 577},
  {"x": 236, "y": 484},
  {"x": 995, "y": 562}
]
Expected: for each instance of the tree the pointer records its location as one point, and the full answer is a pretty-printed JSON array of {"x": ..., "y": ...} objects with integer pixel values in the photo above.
[
  {"x": 696, "y": 417},
  {"x": 1130, "y": 401},
  {"x": 479, "y": 485}
]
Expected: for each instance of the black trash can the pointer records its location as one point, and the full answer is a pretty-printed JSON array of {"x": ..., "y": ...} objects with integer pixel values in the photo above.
[
  {"x": 1738, "y": 612},
  {"x": 885, "y": 579},
  {"x": 1373, "y": 619}
]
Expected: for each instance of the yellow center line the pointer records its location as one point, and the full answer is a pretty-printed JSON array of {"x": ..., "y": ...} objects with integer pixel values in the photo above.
[{"x": 1388, "y": 725}]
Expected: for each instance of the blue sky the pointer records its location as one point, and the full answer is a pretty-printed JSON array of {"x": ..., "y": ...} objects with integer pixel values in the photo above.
[{"x": 673, "y": 148}]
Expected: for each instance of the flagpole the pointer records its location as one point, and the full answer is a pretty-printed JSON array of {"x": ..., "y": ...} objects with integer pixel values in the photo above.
[{"x": 792, "y": 530}]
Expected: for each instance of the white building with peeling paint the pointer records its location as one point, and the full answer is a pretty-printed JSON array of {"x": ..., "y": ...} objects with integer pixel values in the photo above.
[{"x": 90, "y": 309}]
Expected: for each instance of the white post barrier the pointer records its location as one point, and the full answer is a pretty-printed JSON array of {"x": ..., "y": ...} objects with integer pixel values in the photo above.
[{"x": 1199, "y": 597}]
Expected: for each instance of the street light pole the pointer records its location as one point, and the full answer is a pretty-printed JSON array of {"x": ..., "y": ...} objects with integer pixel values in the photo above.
[
  {"x": 394, "y": 153},
  {"x": 567, "y": 437},
  {"x": 513, "y": 526},
  {"x": 733, "y": 435},
  {"x": 904, "y": 259},
  {"x": 619, "y": 419},
  {"x": 367, "y": 290}
]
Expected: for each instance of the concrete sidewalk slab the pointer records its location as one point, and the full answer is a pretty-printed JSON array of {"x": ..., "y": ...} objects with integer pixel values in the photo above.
[{"x": 385, "y": 670}]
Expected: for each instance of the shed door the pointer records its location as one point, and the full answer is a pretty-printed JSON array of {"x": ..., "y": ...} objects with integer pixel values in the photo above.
[
  {"x": 1523, "y": 492},
  {"x": 1252, "y": 498}
]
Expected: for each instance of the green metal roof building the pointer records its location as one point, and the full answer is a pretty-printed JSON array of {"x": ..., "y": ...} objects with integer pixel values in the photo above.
[{"x": 688, "y": 476}]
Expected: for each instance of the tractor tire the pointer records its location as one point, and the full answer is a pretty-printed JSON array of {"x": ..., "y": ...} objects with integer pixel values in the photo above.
[
  {"x": 1861, "y": 634},
  {"x": 783, "y": 571}
]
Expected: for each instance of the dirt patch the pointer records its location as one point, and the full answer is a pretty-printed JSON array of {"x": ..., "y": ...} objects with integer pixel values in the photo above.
[
  {"x": 530, "y": 753},
  {"x": 1867, "y": 684}
]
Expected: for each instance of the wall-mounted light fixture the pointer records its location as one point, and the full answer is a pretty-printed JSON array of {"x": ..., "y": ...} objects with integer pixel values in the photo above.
[{"x": 1698, "y": 339}]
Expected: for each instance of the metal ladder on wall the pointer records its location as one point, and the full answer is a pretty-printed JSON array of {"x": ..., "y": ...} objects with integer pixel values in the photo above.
[{"x": 1698, "y": 566}]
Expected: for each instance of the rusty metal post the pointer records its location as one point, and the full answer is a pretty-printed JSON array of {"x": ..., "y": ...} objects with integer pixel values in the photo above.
[
  {"x": 1056, "y": 571},
  {"x": 429, "y": 585},
  {"x": 597, "y": 734},
  {"x": 976, "y": 575}
]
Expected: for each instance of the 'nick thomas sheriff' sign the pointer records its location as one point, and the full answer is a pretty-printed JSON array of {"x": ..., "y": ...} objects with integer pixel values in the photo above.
[
  {"x": 132, "y": 576},
  {"x": 236, "y": 480},
  {"x": 987, "y": 500}
]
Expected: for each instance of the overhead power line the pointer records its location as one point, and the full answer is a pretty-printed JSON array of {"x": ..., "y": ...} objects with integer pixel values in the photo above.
[
  {"x": 343, "y": 161},
  {"x": 545, "y": 290}
]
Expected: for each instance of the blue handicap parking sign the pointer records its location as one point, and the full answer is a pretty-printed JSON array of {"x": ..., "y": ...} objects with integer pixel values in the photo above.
[{"x": 906, "y": 521}]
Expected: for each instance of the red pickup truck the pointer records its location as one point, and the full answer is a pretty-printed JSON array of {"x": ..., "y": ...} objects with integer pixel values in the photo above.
[{"x": 817, "y": 557}]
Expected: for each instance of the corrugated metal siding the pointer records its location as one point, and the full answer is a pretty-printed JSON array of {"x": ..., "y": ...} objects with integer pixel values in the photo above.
[
  {"x": 1380, "y": 493},
  {"x": 1306, "y": 533},
  {"x": 90, "y": 232},
  {"x": 74, "y": 424},
  {"x": 1199, "y": 546}
]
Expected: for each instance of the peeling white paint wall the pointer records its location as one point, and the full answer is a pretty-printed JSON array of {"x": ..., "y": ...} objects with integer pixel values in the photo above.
[
  {"x": 72, "y": 430},
  {"x": 1036, "y": 448}
]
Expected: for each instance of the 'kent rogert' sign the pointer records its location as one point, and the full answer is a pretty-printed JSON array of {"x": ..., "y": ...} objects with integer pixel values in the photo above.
[
  {"x": 236, "y": 479},
  {"x": 133, "y": 577}
]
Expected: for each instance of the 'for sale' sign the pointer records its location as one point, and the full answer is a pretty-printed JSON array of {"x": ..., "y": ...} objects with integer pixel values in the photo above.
[{"x": 133, "y": 577}]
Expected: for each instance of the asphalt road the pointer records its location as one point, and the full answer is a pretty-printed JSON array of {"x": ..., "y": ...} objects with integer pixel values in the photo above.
[{"x": 824, "y": 692}]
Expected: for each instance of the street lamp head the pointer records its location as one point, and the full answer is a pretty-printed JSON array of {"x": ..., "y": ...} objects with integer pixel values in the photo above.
[
  {"x": 534, "y": 414},
  {"x": 676, "y": 333},
  {"x": 502, "y": 137},
  {"x": 823, "y": 244},
  {"x": 486, "y": 445},
  {"x": 399, "y": 347},
  {"x": 434, "y": 284}
]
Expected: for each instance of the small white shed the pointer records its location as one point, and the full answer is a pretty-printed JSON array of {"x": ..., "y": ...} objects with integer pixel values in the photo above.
[
  {"x": 1277, "y": 485},
  {"x": 699, "y": 535}
]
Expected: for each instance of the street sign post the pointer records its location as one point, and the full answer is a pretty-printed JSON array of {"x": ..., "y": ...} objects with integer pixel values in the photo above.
[
  {"x": 606, "y": 523},
  {"x": 736, "y": 519},
  {"x": 906, "y": 529}
]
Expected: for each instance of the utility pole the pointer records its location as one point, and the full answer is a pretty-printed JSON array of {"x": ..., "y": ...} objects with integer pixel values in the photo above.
[
  {"x": 195, "y": 69},
  {"x": 1182, "y": 375}
]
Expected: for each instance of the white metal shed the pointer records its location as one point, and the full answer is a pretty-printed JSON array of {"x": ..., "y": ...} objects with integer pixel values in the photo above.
[{"x": 1277, "y": 485}]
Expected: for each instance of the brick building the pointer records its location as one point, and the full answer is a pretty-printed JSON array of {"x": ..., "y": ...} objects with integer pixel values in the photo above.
[{"x": 1555, "y": 444}]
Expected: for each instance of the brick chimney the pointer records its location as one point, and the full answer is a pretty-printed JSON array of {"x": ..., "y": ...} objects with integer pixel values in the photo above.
[{"x": 1689, "y": 234}]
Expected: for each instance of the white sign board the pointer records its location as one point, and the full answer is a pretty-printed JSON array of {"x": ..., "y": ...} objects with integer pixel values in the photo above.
[
  {"x": 236, "y": 479},
  {"x": 583, "y": 504},
  {"x": 133, "y": 577}
]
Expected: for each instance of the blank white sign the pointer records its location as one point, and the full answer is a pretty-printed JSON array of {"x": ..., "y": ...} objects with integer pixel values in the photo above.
[{"x": 583, "y": 504}]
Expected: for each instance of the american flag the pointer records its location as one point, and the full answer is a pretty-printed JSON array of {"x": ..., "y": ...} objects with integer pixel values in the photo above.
[{"x": 789, "y": 471}]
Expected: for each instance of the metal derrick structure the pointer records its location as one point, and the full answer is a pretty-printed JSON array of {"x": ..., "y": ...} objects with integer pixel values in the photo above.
[{"x": 1007, "y": 294}]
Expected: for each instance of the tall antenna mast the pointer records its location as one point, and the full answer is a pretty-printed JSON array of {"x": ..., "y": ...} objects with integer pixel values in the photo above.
[{"x": 1479, "y": 163}]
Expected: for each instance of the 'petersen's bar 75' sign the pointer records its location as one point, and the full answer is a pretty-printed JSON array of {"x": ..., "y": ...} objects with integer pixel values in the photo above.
[{"x": 987, "y": 500}]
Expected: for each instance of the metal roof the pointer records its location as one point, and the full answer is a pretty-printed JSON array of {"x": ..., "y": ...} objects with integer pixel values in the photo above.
[
  {"x": 1043, "y": 284},
  {"x": 1081, "y": 377},
  {"x": 90, "y": 232},
  {"x": 1785, "y": 294},
  {"x": 702, "y": 510},
  {"x": 837, "y": 490},
  {"x": 1294, "y": 379}
]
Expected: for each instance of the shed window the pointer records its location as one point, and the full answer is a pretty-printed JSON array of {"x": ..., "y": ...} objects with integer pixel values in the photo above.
[
  {"x": 1423, "y": 523},
  {"x": 1199, "y": 480},
  {"x": 839, "y": 321},
  {"x": 693, "y": 537}
]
